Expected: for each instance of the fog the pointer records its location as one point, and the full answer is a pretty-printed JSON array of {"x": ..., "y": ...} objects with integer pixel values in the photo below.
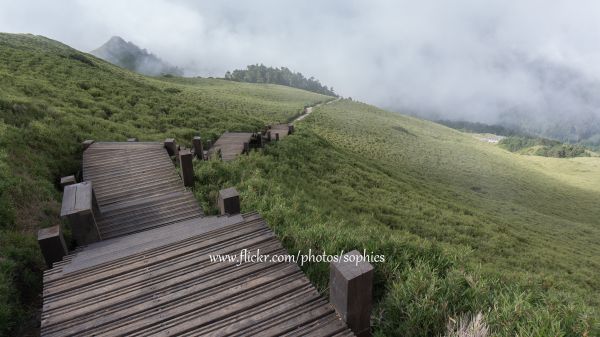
[{"x": 491, "y": 61}]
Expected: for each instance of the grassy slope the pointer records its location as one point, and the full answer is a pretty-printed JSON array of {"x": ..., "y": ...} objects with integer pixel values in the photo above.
[
  {"x": 53, "y": 97},
  {"x": 465, "y": 226},
  {"x": 514, "y": 200}
]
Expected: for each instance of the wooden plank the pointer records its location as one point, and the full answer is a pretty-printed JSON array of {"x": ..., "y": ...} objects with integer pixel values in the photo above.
[
  {"x": 265, "y": 235},
  {"x": 267, "y": 316},
  {"x": 116, "y": 244},
  {"x": 160, "y": 280},
  {"x": 231, "y": 144},
  {"x": 191, "y": 295},
  {"x": 188, "y": 316},
  {"x": 159, "y": 292}
]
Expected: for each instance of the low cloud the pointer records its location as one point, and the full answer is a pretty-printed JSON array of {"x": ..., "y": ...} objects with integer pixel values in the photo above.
[{"x": 463, "y": 59}]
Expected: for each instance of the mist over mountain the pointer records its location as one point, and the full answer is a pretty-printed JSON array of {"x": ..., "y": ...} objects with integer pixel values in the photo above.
[
  {"x": 127, "y": 55},
  {"x": 531, "y": 94},
  {"x": 509, "y": 62},
  {"x": 564, "y": 105}
]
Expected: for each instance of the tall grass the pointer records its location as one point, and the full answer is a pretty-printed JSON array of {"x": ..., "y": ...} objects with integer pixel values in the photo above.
[
  {"x": 448, "y": 252},
  {"x": 466, "y": 227},
  {"x": 53, "y": 97}
]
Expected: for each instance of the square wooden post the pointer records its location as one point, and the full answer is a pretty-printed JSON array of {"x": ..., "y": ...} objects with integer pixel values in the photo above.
[
  {"x": 80, "y": 208},
  {"x": 277, "y": 136},
  {"x": 52, "y": 244},
  {"x": 171, "y": 146},
  {"x": 68, "y": 180},
  {"x": 246, "y": 148},
  {"x": 290, "y": 129},
  {"x": 187, "y": 167},
  {"x": 229, "y": 201},
  {"x": 198, "y": 150},
  {"x": 350, "y": 291}
]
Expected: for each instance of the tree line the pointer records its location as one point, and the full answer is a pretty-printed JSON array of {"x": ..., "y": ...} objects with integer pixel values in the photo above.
[
  {"x": 259, "y": 73},
  {"x": 544, "y": 147}
]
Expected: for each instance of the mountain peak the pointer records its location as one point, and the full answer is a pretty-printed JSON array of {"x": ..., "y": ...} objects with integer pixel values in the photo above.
[
  {"x": 116, "y": 38},
  {"x": 126, "y": 54}
]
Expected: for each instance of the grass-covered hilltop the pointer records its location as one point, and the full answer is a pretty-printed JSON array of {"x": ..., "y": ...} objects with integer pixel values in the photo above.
[{"x": 466, "y": 226}]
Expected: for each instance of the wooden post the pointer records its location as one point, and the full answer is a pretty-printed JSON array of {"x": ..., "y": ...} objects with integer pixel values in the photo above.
[
  {"x": 68, "y": 180},
  {"x": 277, "y": 136},
  {"x": 350, "y": 291},
  {"x": 290, "y": 129},
  {"x": 198, "y": 150},
  {"x": 187, "y": 167},
  {"x": 229, "y": 201},
  {"x": 269, "y": 136},
  {"x": 132, "y": 140},
  {"x": 246, "y": 148},
  {"x": 80, "y": 208},
  {"x": 261, "y": 141},
  {"x": 52, "y": 244},
  {"x": 171, "y": 146},
  {"x": 86, "y": 143}
]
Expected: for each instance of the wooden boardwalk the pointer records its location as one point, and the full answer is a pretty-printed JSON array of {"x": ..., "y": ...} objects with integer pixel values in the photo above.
[
  {"x": 170, "y": 286},
  {"x": 279, "y": 129},
  {"x": 155, "y": 276},
  {"x": 137, "y": 187},
  {"x": 231, "y": 145}
]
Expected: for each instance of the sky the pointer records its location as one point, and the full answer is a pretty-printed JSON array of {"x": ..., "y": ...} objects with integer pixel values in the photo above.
[{"x": 462, "y": 59}]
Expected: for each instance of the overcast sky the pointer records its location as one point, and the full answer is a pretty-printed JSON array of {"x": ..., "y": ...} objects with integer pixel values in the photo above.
[{"x": 462, "y": 58}]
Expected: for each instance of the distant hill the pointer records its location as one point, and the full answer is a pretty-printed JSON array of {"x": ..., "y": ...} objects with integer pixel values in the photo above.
[
  {"x": 481, "y": 128},
  {"x": 262, "y": 74},
  {"x": 551, "y": 100},
  {"x": 127, "y": 55},
  {"x": 522, "y": 142},
  {"x": 569, "y": 106}
]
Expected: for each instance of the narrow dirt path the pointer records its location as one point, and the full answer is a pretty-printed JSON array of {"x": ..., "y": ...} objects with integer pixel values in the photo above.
[{"x": 310, "y": 109}]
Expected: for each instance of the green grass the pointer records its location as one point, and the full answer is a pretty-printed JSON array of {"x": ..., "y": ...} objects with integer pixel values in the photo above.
[
  {"x": 465, "y": 226},
  {"x": 53, "y": 97}
]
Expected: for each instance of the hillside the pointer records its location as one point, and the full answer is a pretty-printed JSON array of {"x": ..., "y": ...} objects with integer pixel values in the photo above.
[
  {"x": 52, "y": 97},
  {"x": 465, "y": 226},
  {"x": 129, "y": 56}
]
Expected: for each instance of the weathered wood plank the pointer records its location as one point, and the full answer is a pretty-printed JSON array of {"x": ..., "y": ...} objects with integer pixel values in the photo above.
[
  {"x": 156, "y": 277},
  {"x": 230, "y": 144}
]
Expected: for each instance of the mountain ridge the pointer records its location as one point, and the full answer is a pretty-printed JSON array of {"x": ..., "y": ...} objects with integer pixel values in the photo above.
[{"x": 128, "y": 55}]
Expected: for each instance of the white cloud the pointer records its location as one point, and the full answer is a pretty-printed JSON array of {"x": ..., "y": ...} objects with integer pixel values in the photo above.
[{"x": 463, "y": 58}]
